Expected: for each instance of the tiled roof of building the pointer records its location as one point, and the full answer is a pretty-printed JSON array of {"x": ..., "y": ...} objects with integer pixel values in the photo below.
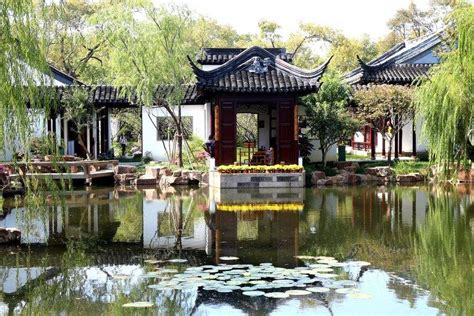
[
  {"x": 256, "y": 70},
  {"x": 395, "y": 66},
  {"x": 117, "y": 96},
  {"x": 219, "y": 56}
]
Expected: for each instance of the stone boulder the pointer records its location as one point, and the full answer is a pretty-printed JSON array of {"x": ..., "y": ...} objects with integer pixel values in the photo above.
[
  {"x": 409, "y": 178},
  {"x": 316, "y": 176},
  {"x": 380, "y": 171},
  {"x": 124, "y": 178},
  {"x": 125, "y": 169},
  {"x": 350, "y": 179},
  {"x": 204, "y": 179},
  {"x": 153, "y": 171},
  {"x": 9, "y": 235},
  {"x": 166, "y": 181},
  {"x": 146, "y": 180},
  {"x": 165, "y": 172},
  {"x": 346, "y": 164}
]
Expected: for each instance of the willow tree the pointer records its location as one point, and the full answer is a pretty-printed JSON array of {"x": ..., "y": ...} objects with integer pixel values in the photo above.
[
  {"x": 148, "y": 48},
  {"x": 446, "y": 100},
  {"x": 22, "y": 65}
]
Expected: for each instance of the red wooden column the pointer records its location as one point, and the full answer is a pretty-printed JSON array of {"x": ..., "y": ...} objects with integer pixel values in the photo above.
[{"x": 373, "y": 136}]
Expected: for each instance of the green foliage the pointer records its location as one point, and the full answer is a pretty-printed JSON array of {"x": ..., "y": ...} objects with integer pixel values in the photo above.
[
  {"x": 446, "y": 100},
  {"x": 22, "y": 64},
  {"x": 444, "y": 252},
  {"x": 327, "y": 115},
  {"x": 80, "y": 112},
  {"x": 406, "y": 167},
  {"x": 379, "y": 104}
]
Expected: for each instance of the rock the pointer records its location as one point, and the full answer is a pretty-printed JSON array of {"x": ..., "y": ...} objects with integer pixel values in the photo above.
[
  {"x": 204, "y": 178},
  {"x": 379, "y": 171},
  {"x": 466, "y": 176},
  {"x": 350, "y": 178},
  {"x": 9, "y": 235},
  {"x": 124, "y": 169},
  {"x": 124, "y": 178},
  {"x": 351, "y": 169},
  {"x": 406, "y": 178},
  {"x": 317, "y": 175},
  {"x": 153, "y": 171},
  {"x": 177, "y": 173},
  {"x": 145, "y": 180},
  {"x": 346, "y": 164},
  {"x": 165, "y": 172},
  {"x": 166, "y": 181}
]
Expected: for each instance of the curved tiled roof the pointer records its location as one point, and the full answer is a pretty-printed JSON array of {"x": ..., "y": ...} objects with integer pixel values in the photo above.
[
  {"x": 117, "y": 96},
  {"x": 257, "y": 70},
  {"x": 219, "y": 56},
  {"x": 396, "y": 65}
]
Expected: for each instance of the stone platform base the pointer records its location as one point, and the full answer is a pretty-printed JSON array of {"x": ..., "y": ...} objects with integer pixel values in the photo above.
[{"x": 256, "y": 180}]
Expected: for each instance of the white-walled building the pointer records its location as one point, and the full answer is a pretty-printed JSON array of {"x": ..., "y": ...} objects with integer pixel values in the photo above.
[{"x": 403, "y": 64}]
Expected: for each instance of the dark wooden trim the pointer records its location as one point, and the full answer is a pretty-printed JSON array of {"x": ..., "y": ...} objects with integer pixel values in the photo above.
[
  {"x": 413, "y": 141},
  {"x": 373, "y": 136}
]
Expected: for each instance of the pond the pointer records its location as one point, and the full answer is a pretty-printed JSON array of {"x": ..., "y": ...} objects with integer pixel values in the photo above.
[{"x": 328, "y": 251}]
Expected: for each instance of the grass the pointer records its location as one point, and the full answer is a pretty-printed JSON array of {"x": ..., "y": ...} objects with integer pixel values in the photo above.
[
  {"x": 356, "y": 157},
  {"x": 406, "y": 167}
]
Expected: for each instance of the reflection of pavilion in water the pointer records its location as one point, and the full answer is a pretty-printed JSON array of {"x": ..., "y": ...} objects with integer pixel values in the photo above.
[{"x": 259, "y": 235}]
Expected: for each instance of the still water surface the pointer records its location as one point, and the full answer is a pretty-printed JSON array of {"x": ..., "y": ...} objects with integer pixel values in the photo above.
[{"x": 93, "y": 251}]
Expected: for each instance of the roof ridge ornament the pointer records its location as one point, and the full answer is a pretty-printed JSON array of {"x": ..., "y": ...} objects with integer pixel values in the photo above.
[{"x": 258, "y": 65}]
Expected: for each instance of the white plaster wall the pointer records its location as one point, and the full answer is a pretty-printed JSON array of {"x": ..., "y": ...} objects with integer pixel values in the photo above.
[
  {"x": 316, "y": 155},
  {"x": 37, "y": 129},
  {"x": 200, "y": 114},
  {"x": 407, "y": 138},
  {"x": 264, "y": 133}
]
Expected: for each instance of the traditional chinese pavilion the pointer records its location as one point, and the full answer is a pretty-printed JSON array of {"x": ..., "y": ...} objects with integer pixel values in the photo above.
[{"x": 260, "y": 80}]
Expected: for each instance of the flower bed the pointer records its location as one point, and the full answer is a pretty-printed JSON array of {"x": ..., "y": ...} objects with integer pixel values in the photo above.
[
  {"x": 260, "y": 207},
  {"x": 260, "y": 169}
]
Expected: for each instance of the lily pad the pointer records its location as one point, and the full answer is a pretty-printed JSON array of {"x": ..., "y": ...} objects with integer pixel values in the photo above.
[
  {"x": 305, "y": 257},
  {"x": 360, "y": 263},
  {"x": 277, "y": 295},
  {"x": 297, "y": 292},
  {"x": 121, "y": 277},
  {"x": 229, "y": 258},
  {"x": 139, "y": 305},
  {"x": 253, "y": 293}
]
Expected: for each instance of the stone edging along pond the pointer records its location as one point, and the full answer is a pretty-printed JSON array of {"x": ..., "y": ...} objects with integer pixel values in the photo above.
[{"x": 346, "y": 175}]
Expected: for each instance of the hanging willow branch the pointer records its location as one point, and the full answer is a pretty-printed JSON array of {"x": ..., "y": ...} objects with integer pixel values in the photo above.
[{"x": 446, "y": 101}]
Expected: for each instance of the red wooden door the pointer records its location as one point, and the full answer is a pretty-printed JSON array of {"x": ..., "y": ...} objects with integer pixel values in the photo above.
[
  {"x": 287, "y": 136},
  {"x": 225, "y": 132}
]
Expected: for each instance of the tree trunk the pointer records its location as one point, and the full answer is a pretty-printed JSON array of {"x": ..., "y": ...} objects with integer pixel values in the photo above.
[
  {"x": 83, "y": 145},
  {"x": 180, "y": 138},
  {"x": 323, "y": 157},
  {"x": 389, "y": 157}
]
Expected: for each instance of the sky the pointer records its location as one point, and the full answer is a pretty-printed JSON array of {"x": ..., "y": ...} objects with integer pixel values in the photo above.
[{"x": 354, "y": 17}]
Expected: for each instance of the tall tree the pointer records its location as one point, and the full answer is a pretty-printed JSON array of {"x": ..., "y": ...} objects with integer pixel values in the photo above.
[
  {"x": 149, "y": 46},
  {"x": 327, "y": 116},
  {"x": 22, "y": 65},
  {"x": 446, "y": 99},
  {"x": 73, "y": 44}
]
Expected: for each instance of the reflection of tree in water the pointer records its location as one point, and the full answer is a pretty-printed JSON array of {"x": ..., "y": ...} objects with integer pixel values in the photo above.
[{"x": 444, "y": 251}]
